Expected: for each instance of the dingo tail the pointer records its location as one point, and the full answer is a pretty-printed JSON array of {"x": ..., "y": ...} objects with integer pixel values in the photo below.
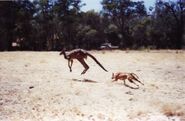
[
  {"x": 136, "y": 78},
  {"x": 133, "y": 74}
]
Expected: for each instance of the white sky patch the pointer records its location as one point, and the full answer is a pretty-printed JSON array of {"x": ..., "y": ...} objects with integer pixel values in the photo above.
[
  {"x": 92, "y": 4},
  {"x": 96, "y": 4}
]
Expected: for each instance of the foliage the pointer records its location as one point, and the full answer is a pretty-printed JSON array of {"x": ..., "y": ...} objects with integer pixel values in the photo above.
[{"x": 53, "y": 25}]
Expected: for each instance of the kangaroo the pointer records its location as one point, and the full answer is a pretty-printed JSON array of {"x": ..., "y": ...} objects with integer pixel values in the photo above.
[
  {"x": 80, "y": 55},
  {"x": 123, "y": 76}
]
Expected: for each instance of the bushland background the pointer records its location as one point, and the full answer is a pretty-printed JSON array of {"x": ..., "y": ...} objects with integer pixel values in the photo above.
[{"x": 54, "y": 24}]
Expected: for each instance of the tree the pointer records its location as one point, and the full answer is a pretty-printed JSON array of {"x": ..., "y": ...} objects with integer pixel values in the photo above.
[
  {"x": 68, "y": 13},
  {"x": 23, "y": 28},
  {"x": 7, "y": 24},
  {"x": 121, "y": 12},
  {"x": 169, "y": 24},
  {"x": 15, "y": 25},
  {"x": 177, "y": 10},
  {"x": 141, "y": 30},
  {"x": 90, "y": 33}
]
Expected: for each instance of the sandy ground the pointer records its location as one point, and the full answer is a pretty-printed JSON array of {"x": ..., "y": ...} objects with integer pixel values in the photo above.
[{"x": 37, "y": 86}]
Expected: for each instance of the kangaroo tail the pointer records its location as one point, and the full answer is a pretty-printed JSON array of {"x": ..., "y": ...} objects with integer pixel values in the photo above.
[{"x": 96, "y": 61}]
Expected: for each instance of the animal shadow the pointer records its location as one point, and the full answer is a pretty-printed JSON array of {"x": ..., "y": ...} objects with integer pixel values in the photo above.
[
  {"x": 85, "y": 80},
  {"x": 131, "y": 87}
]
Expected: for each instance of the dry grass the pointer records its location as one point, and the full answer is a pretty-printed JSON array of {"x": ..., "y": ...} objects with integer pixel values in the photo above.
[{"x": 173, "y": 110}]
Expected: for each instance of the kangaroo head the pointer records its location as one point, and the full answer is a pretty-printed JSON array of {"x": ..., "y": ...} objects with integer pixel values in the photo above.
[{"x": 62, "y": 51}]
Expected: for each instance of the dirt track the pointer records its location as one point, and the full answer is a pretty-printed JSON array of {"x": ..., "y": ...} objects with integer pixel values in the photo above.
[{"x": 37, "y": 86}]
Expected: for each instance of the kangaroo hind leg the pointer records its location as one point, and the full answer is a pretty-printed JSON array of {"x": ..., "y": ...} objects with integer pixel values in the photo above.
[{"x": 84, "y": 65}]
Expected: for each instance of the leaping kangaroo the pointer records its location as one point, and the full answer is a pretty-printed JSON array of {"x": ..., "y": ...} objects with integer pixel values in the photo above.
[{"x": 80, "y": 55}]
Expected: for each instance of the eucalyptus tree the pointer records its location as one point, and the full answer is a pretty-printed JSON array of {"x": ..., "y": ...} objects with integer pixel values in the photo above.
[
  {"x": 68, "y": 14},
  {"x": 168, "y": 24},
  {"x": 90, "y": 33},
  {"x": 7, "y": 24},
  {"x": 121, "y": 12}
]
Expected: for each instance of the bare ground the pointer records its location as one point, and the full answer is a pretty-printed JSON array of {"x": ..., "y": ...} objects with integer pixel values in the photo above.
[{"x": 37, "y": 86}]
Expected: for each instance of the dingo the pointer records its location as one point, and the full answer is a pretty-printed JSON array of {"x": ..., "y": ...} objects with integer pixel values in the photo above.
[{"x": 123, "y": 76}]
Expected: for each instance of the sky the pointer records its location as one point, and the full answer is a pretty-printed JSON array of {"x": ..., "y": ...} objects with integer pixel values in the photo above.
[{"x": 96, "y": 5}]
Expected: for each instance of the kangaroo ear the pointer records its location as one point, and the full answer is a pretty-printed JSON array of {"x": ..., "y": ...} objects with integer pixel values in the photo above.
[
  {"x": 112, "y": 75},
  {"x": 61, "y": 53}
]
